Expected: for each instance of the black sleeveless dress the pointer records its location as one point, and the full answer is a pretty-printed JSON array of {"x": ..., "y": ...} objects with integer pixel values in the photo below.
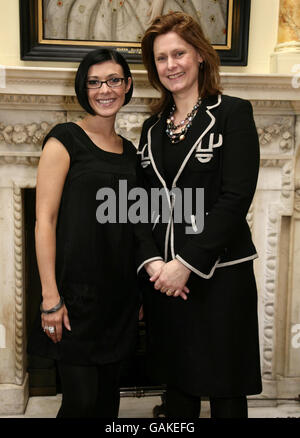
[{"x": 95, "y": 264}]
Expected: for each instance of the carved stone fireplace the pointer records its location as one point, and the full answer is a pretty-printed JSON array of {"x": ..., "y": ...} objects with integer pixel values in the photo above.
[{"x": 34, "y": 99}]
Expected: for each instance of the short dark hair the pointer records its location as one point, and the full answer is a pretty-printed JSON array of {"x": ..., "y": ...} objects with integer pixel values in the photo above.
[{"x": 95, "y": 57}]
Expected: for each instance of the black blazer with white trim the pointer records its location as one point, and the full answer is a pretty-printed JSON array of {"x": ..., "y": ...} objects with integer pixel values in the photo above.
[{"x": 223, "y": 160}]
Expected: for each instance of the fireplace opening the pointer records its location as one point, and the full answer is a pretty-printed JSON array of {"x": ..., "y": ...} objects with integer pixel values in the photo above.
[{"x": 43, "y": 375}]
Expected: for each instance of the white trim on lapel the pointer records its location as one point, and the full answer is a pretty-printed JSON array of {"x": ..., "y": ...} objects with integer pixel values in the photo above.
[
  {"x": 170, "y": 226},
  {"x": 161, "y": 179},
  {"x": 213, "y": 121},
  {"x": 163, "y": 182},
  {"x": 197, "y": 142},
  {"x": 215, "y": 104}
]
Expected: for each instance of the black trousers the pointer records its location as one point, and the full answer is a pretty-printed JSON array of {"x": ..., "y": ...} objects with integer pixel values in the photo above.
[
  {"x": 179, "y": 404},
  {"x": 89, "y": 391}
]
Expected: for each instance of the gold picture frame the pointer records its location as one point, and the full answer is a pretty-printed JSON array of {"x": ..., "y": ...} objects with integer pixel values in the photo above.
[{"x": 36, "y": 46}]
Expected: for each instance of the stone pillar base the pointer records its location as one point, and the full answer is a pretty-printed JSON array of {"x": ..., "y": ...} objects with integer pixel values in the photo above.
[
  {"x": 285, "y": 58},
  {"x": 288, "y": 387},
  {"x": 14, "y": 398}
]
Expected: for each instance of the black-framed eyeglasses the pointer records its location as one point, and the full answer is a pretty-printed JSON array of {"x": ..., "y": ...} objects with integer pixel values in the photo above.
[{"x": 112, "y": 83}]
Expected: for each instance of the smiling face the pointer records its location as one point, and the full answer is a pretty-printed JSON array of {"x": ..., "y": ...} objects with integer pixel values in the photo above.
[
  {"x": 177, "y": 63},
  {"x": 107, "y": 101}
]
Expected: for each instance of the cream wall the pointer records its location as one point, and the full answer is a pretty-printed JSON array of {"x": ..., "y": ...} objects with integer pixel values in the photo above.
[{"x": 262, "y": 40}]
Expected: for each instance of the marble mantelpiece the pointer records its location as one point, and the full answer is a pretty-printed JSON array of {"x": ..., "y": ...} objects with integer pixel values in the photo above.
[{"x": 34, "y": 99}]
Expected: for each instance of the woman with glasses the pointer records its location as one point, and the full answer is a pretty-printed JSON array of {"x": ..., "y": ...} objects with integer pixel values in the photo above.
[{"x": 90, "y": 303}]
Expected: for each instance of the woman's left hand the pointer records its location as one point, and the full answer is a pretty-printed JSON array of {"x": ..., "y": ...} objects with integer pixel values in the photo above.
[{"x": 172, "y": 277}]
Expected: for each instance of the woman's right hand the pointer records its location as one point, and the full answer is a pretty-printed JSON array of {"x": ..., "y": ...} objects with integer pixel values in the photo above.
[
  {"x": 56, "y": 320},
  {"x": 154, "y": 269}
]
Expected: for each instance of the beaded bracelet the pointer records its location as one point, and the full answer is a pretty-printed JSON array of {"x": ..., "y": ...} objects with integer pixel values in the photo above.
[{"x": 55, "y": 308}]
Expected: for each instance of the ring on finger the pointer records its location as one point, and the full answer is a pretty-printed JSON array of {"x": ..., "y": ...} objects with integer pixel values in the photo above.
[
  {"x": 50, "y": 329},
  {"x": 169, "y": 292}
]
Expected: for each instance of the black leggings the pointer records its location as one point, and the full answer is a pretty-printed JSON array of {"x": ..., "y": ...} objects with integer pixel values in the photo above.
[
  {"x": 180, "y": 404},
  {"x": 89, "y": 391}
]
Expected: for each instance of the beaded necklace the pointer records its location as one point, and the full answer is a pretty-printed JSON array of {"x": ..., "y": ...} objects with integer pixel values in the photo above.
[{"x": 185, "y": 124}]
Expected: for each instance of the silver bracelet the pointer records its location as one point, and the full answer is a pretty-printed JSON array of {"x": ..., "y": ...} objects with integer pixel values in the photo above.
[{"x": 55, "y": 308}]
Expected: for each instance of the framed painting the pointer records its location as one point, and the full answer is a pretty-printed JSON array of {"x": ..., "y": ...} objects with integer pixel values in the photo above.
[{"x": 65, "y": 30}]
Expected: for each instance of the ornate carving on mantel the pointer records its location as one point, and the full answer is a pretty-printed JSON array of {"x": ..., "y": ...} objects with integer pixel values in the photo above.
[
  {"x": 267, "y": 107},
  {"x": 297, "y": 203},
  {"x": 20, "y": 134},
  {"x": 281, "y": 104},
  {"x": 68, "y": 100},
  {"x": 287, "y": 189},
  {"x": 62, "y": 102},
  {"x": 21, "y": 99},
  {"x": 129, "y": 125},
  {"x": 297, "y": 199},
  {"x": 287, "y": 181},
  {"x": 24, "y": 160},
  {"x": 32, "y": 133},
  {"x": 269, "y": 291},
  {"x": 60, "y": 82},
  {"x": 75, "y": 116},
  {"x": 272, "y": 132},
  {"x": 269, "y": 161},
  {"x": 274, "y": 212}
]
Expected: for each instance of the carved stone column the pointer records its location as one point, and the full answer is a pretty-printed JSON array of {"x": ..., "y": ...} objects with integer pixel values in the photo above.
[
  {"x": 288, "y": 378},
  {"x": 286, "y": 56},
  {"x": 13, "y": 378}
]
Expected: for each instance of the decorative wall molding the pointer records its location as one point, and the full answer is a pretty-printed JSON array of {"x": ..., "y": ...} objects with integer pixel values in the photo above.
[
  {"x": 297, "y": 203},
  {"x": 129, "y": 125},
  {"x": 20, "y": 134},
  {"x": 20, "y": 347},
  {"x": 19, "y": 99},
  {"x": 284, "y": 131},
  {"x": 60, "y": 81},
  {"x": 22, "y": 160},
  {"x": 269, "y": 292},
  {"x": 19, "y": 300}
]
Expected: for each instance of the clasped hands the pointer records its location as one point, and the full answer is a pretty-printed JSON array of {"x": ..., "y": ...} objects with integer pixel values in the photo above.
[{"x": 170, "y": 277}]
